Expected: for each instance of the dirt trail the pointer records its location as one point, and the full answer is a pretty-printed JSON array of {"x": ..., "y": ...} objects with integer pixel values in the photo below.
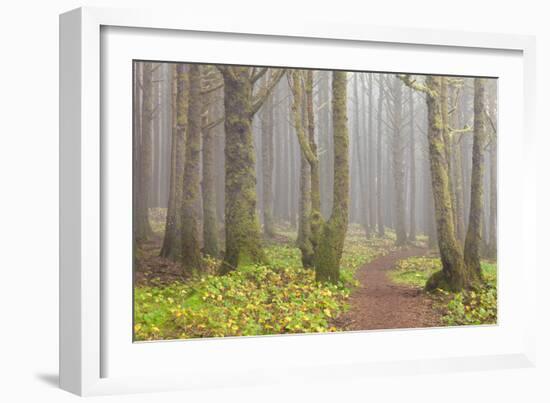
[{"x": 379, "y": 304}]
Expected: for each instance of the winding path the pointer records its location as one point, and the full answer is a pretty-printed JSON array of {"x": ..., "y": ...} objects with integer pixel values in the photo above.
[{"x": 377, "y": 303}]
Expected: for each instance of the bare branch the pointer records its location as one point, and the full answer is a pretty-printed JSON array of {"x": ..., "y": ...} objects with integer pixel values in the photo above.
[
  {"x": 266, "y": 91},
  {"x": 212, "y": 88},
  {"x": 213, "y": 124},
  {"x": 258, "y": 74},
  {"x": 409, "y": 82}
]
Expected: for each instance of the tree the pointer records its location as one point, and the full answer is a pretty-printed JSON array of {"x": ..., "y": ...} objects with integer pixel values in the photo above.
[
  {"x": 453, "y": 274},
  {"x": 492, "y": 247},
  {"x": 457, "y": 167},
  {"x": 299, "y": 110},
  {"x": 143, "y": 226},
  {"x": 208, "y": 184},
  {"x": 412, "y": 168},
  {"x": 472, "y": 244},
  {"x": 267, "y": 166},
  {"x": 333, "y": 232},
  {"x": 444, "y": 99},
  {"x": 379, "y": 178},
  {"x": 172, "y": 243},
  {"x": 398, "y": 161},
  {"x": 191, "y": 254},
  {"x": 242, "y": 228},
  {"x": 363, "y": 191},
  {"x": 371, "y": 164},
  {"x": 313, "y": 160},
  {"x": 310, "y": 198}
]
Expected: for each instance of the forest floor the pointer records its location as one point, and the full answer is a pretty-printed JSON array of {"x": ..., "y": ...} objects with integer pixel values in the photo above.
[
  {"x": 380, "y": 303},
  {"x": 380, "y": 287}
]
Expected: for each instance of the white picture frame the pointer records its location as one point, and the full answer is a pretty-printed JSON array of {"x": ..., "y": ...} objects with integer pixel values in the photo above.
[{"x": 86, "y": 345}]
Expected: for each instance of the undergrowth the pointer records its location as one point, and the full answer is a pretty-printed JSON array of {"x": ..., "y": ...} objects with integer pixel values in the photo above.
[
  {"x": 474, "y": 307},
  {"x": 281, "y": 297}
]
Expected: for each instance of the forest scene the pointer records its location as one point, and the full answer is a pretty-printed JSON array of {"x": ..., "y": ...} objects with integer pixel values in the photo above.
[{"x": 274, "y": 200}]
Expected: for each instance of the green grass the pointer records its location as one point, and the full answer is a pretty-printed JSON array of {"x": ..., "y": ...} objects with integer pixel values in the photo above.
[
  {"x": 281, "y": 297},
  {"x": 414, "y": 271}
]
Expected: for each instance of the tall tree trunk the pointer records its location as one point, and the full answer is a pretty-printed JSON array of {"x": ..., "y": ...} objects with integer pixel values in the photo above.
[
  {"x": 362, "y": 194},
  {"x": 326, "y": 160},
  {"x": 292, "y": 194},
  {"x": 398, "y": 162},
  {"x": 472, "y": 244},
  {"x": 242, "y": 228},
  {"x": 191, "y": 253},
  {"x": 447, "y": 140},
  {"x": 172, "y": 243},
  {"x": 267, "y": 167},
  {"x": 137, "y": 204},
  {"x": 458, "y": 181},
  {"x": 371, "y": 159},
  {"x": 316, "y": 217},
  {"x": 304, "y": 225},
  {"x": 492, "y": 249},
  {"x": 333, "y": 233},
  {"x": 453, "y": 274},
  {"x": 143, "y": 226},
  {"x": 429, "y": 209},
  {"x": 412, "y": 156},
  {"x": 210, "y": 222},
  {"x": 302, "y": 110},
  {"x": 379, "y": 158}
]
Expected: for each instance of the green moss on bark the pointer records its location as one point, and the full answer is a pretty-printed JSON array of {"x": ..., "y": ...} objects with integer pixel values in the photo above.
[
  {"x": 472, "y": 244},
  {"x": 333, "y": 232},
  {"x": 453, "y": 274},
  {"x": 242, "y": 230}
]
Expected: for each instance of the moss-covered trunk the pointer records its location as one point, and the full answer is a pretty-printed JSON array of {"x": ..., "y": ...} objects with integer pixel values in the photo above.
[
  {"x": 333, "y": 232},
  {"x": 444, "y": 98},
  {"x": 472, "y": 244},
  {"x": 299, "y": 109},
  {"x": 143, "y": 226},
  {"x": 242, "y": 229},
  {"x": 172, "y": 243},
  {"x": 316, "y": 218},
  {"x": 452, "y": 276},
  {"x": 398, "y": 162},
  {"x": 190, "y": 210}
]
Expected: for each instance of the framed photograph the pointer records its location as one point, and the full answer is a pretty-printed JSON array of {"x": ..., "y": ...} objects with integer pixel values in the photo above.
[{"x": 242, "y": 204}]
